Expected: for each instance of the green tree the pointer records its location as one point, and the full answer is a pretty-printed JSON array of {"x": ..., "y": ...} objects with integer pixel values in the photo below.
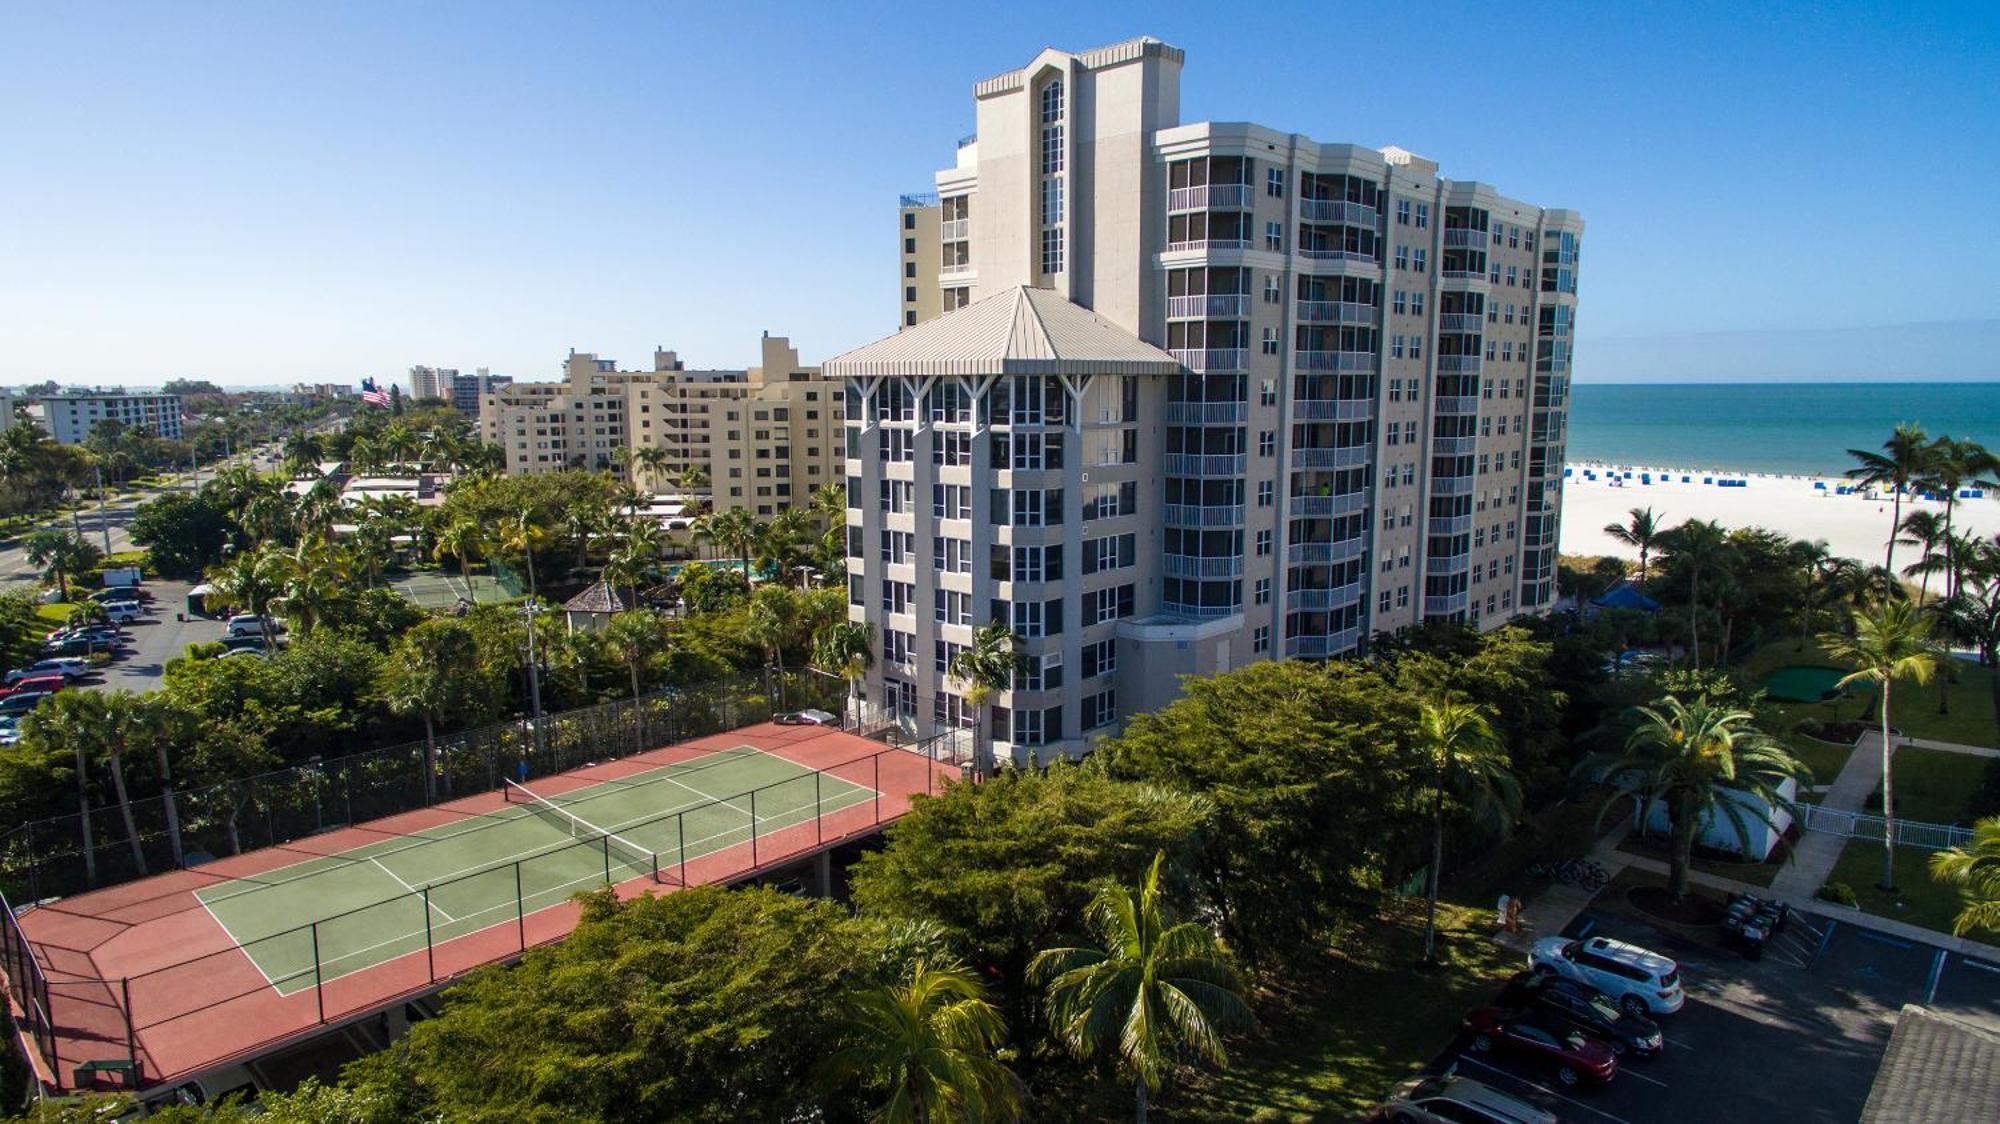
[
  {"x": 1904, "y": 458},
  {"x": 183, "y": 532},
  {"x": 772, "y": 621},
  {"x": 1700, "y": 547},
  {"x": 1470, "y": 765},
  {"x": 430, "y": 673},
  {"x": 983, "y": 669},
  {"x": 460, "y": 539},
  {"x": 1974, "y": 870},
  {"x": 712, "y": 589},
  {"x": 1700, "y": 762},
  {"x": 929, "y": 1039},
  {"x": 62, "y": 557},
  {"x": 1642, "y": 532},
  {"x": 1890, "y": 642},
  {"x": 846, "y": 649},
  {"x": 96, "y": 726},
  {"x": 703, "y": 1004},
  {"x": 637, "y": 635},
  {"x": 1152, "y": 992},
  {"x": 252, "y": 581}
]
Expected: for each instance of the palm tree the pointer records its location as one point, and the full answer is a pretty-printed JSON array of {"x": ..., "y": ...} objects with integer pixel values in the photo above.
[
  {"x": 845, "y": 648},
  {"x": 253, "y": 581},
  {"x": 1701, "y": 546},
  {"x": 637, "y": 559},
  {"x": 159, "y": 724},
  {"x": 984, "y": 668},
  {"x": 636, "y": 635},
  {"x": 1818, "y": 567},
  {"x": 1974, "y": 869},
  {"x": 1924, "y": 529},
  {"x": 62, "y": 556},
  {"x": 1642, "y": 533},
  {"x": 1903, "y": 458},
  {"x": 1156, "y": 990},
  {"x": 930, "y": 1040},
  {"x": 461, "y": 539},
  {"x": 1470, "y": 762},
  {"x": 303, "y": 451},
  {"x": 93, "y": 725},
  {"x": 1890, "y": 642},
  {"x": 422, "y": 677},
  {"x": 772, "y": 619},
  {"x": 1700, "y": 762},
  {"x": 521, "y": 536},
  {"x": 649, "y": 461},
  {"x": 733, "y": 532}
]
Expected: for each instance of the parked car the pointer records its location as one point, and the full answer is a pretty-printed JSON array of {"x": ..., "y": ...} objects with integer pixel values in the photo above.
[
  {"x": 254, "y": 642},
  {"x": 68, "y": 669},
  {"x": 1585, "y": 1008},
  {"x": 10, "y": 729},
  {"x": 1643, "y": 982},
  {"x": 21, "y": 702},
  {"x": 1450, "y": 1099},
  {"x": 51, "y": 683},
  {"x": 807, "y": 718},
  {"x": 1570, "y": 1054},
  {"x": 108, "y": 628},
  {"x": 249, "y": 624},
  {"x": 77, "y": 646},
  {"x": 122, "y": 612},
  {"x": 122, "y": 593}
]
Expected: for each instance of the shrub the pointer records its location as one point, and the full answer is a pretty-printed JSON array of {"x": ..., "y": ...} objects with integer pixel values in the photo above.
[
  {"x": 1839, "y": 893},
  {"x": 1985, "y": 799}
]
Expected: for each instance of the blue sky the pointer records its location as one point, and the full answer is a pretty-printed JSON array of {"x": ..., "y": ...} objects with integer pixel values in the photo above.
[{"x": 266, "y": 193}]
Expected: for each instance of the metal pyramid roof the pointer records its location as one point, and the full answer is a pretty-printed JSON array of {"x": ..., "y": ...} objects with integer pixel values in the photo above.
[{"x": 1017, "y": 331}]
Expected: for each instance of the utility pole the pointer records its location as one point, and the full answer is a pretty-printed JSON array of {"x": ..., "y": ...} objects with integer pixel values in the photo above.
[{"x": 103, "y": 517}]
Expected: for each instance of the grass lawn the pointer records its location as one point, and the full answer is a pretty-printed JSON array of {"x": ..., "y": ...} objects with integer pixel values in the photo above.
[
  {"x": 57, "y": 614},
  {"x": 1756, "y": 874},
  {"x": 1932, "y": 785},
  {"x": 1918, "y": 900},
  {"x": 1365, "y": 1020},
  {"x": 1970, "y": 721},
  {"x": 1825, "y": 759}
]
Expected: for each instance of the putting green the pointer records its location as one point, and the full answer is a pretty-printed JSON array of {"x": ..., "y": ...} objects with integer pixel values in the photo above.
[{"x": 1803, "y": 683}]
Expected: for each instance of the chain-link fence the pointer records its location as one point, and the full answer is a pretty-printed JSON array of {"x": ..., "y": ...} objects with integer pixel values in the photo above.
[{"x": 70, "y": 854}]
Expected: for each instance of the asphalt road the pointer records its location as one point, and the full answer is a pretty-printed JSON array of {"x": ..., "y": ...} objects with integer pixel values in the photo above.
[{"x": 156, "y": 638}]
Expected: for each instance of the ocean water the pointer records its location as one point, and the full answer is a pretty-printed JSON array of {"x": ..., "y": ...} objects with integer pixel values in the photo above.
[{"x": 1768, "y": 427}]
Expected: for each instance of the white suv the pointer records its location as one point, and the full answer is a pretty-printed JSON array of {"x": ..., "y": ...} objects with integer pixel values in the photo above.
[
  {"x": 1447, "y": 1099},
  {"x": 1643, "y": 982}
]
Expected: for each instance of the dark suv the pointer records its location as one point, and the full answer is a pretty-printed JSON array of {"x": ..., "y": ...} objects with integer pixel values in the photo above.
[{"x": 1585, "y": 1008}]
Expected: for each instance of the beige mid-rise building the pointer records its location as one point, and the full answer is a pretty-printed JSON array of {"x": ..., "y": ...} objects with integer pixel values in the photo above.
[
  {"x": 766, "y": 437},
  {"x": 1217, "y": 393}
]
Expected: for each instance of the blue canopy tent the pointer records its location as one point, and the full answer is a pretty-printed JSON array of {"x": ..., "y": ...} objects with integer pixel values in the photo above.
[{"x": 1625, "y": 595}]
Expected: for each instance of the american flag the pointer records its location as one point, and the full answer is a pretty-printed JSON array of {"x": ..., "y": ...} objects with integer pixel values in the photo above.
[{"x": 373, "y": 396}]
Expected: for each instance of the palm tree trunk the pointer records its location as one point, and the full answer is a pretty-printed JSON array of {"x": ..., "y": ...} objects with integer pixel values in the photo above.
[
  {"x": 83, "y": 816},
  {"x": 430, "y": 760},
  {"x": 1950, "y": 551},
  {"x": 1888, "y": 799},
  {"x": 1694, "y": 618},
  {"x": 1437, "y": 866},
  {"x": 1139, "y": 1109},
  {"x": 167, "y": 801},
  {"x": 1680, "y": 859},
  {"x": 1889, "y": 556},
  {"x": 638, "y": 711},
  {"x": 125, "y": 811}
]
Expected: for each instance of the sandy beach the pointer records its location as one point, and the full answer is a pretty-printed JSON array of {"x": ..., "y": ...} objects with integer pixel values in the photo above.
[{"x": 1854, "y": 526}]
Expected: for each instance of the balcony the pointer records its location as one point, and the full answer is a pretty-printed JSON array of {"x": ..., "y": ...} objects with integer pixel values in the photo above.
[
  {"x": 1471, "y": 280},
  {"x": 1321, "y": 553},
  {"x": 1199, "y": 612},
  {"x": 1454, "y": 446},
  {"x": 1336, "y": 361},
  {"x": 1195, "y": 566},
  {"x": 1336, "y": 312},
  {"x": 1209, "y": 197},
  {"x": 1325, "y": 253},
  {"x": 1352, "y": 456},
  {"x": 1443, "y": 605},
  {"x": 1465, "y": 238},
  {"x": 954, "y": 230},
  {"x": 1448, "y": 564},
  {"x": 956, "y": 271},
  {"x": 1452, "y": 485},
  {"x": 1309, "y": 507},
  {"x": 1205, "y": 413},
  {"x": 1214, "y": 306},
  {"x": 1450, "y": 524},
  {"x": 1458, "y": 364},
  {"x": 1333, "y": 409},
  {"x": 1204, "y": 515},
  {"x": 1323, "y": 646},
  {"x": 1457, "y": 403},
  {"x": 1323, "y": 600},
  {"x": 1339, "y": 210},
  {"x": 1203, "y": 464},
  {"x": 1208, "y": 244},
  {"x": 1212, "y": 361},
  {"x": 1461, "y": 322}
]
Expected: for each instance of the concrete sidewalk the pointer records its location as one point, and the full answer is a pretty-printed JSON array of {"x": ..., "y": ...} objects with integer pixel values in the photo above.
[
  {"x": 1817, "y": 851},
  {"x": 1952, "y": 747}
]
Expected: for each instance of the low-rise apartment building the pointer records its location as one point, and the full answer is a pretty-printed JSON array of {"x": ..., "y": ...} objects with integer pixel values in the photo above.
[{"x": 69, "y": 417}]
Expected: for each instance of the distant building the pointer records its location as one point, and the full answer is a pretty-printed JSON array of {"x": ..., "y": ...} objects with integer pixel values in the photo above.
[
  {"x": 319, "y": 390},
  {"x": 463, "y": 391},
  {"x": 69, "y": 417},
  {"x": 767, "y": 436},
  {"x": 431, "y": 382},
  {"x": 918, "y": 218}
]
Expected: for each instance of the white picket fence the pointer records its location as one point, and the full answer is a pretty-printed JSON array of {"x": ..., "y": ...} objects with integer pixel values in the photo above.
[{"x": 1860, "y": 825}]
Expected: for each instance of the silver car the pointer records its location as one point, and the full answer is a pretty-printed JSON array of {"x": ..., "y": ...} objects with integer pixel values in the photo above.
[{"x": 1449, "y": 1099}]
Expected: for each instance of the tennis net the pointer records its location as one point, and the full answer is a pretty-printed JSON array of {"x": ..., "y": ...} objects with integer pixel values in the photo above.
[{"x": 617, "y": 848}]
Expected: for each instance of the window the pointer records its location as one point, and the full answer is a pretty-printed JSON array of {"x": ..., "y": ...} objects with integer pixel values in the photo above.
[
  {"x": 1417, "y": 342},
  {"x": 897, "y": 646},
  {"x": 1260, "y": 639},
  {"x": 1267, "y": 443},
  {"x": 1263, "y": 591},
  {"x": 1402, "y": 212},
  {"x": 1399, "y": 302},
  {"x": 1052, "y": 149},
  {"x": 909, "y": 245},
  {"x": 898, "y": 597},
  {"x": 1402, "y": 257},
  {"x": 1112, "y": 552},
  {"x": 1396, "y": 346},
  {"x": 1102, "y": 605},
  {"x": 951, "y": 607},
  {"x": 951, "y": 501},
  {"x": 1100, "y": 658},
  {"x": 951, "y": 556},
  {"x": 1270, "y": 343},
  {"x": 1274, "y": 237},
  {"x": 1274, "y": 182},
  {"x": 1267, "y": 393},
  {"x": 898, "y": 547},
  {"x": 1263, "y": 544},
  {"x": 1418, "y": 257},
  {"x": 1052, "y": 102},
  {"x": 1423, "y": 215},
  {"x": 910, "y": 221},
  {"x": 1266, "y": 493},
  {"x": 1417, "y": 303},
  {"x": 1052, "y": 250}
]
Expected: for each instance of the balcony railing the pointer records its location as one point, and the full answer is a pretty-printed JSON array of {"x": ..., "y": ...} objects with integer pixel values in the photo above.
[
  {"x": 1199, "y": 612},
  {"x": 1452, "y": 485},
  {"x": 1211, "y": 196},
  {"x": 1204, "y": 515},
  {"x": 1454, "y": 446},
  {"x": 1219, "y": 306},
  {"x": 1449, "y": 564},
  {"x": 1339, "y": 210},
  {"x": 1307, "y": 507},
  {"x": 1323, "y": 600},
  {"x": 954, "y": 270},
  {"x": 1194, "y": 566},
  {"x": 1324, "y": 253},
  {"x": 1208, "y": 244},
  {"x": 1461, "y": 322},
  {"x": 1451, "y": 524},
  {"x": 1440, "y": 605},
  {"x": 1336, "y": 312},
  {"x": 1337, "y": 361},
  {"x": 955, "y": 230},
  {"x": 1211, "y": 361},
  {"x": 1466, "y": 278},
  {"x": 1322, "y": 646},
  {"x": 1465, "y": 238},
  {"x": 1310, "y": 553},
  {"x": 1205, "y": 413},
  {"x": 1350, "y": 457},
  {"x": 1458, "y": 404},
  {"x": 1333, "y": 409},
  {"x": 1203, "y": 464},
  {"x": 1459, "y": 364}
]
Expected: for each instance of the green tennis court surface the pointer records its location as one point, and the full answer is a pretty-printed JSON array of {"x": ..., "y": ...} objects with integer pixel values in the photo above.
[{"x": 383, "y": 900}]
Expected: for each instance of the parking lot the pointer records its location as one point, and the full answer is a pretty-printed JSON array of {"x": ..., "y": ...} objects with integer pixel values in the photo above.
[{"x": 1796, "y": 1036}]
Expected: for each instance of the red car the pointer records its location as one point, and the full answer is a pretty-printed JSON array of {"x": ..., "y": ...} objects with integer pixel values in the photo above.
[
  {"x": 1572, "y": 1054},
  {"x": 35, "y": 683}
]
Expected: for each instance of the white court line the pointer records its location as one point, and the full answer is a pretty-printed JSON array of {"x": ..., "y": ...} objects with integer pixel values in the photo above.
[
  {"x": 1627, "y": 1071},
  {"x": 239, "y": 945},
  {"x": 1544, "y": 1088},
  {"x": 411, "y": 889}
]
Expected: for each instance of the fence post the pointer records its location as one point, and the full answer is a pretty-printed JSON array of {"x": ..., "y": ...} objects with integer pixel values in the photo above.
[
  {"x": 319, "y": 977},
  {"x": 753, "y": 829},
  {"x": 877, "y": 760},
  {"x": 520, "y": 910},
  {"x": 680, "y": 845},
  {"x": 819, "y": 812},
  {"x": 131, "y": 1035},
  {"x": 607, "y": 858},
  {"x": 430, "y": 957}
]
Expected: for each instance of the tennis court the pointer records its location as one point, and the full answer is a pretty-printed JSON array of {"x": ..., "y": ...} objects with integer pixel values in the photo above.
[
  {"x": 438, "y": 589},
  {"x": 404, "y": 893},
  {"x": 176, "y": 973}
]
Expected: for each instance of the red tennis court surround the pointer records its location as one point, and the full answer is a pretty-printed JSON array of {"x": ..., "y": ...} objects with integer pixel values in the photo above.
[{"x": 145, "y": 973}]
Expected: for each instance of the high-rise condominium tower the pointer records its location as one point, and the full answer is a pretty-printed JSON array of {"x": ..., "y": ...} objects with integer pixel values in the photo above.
[{"x": 1195, "y": 395}]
